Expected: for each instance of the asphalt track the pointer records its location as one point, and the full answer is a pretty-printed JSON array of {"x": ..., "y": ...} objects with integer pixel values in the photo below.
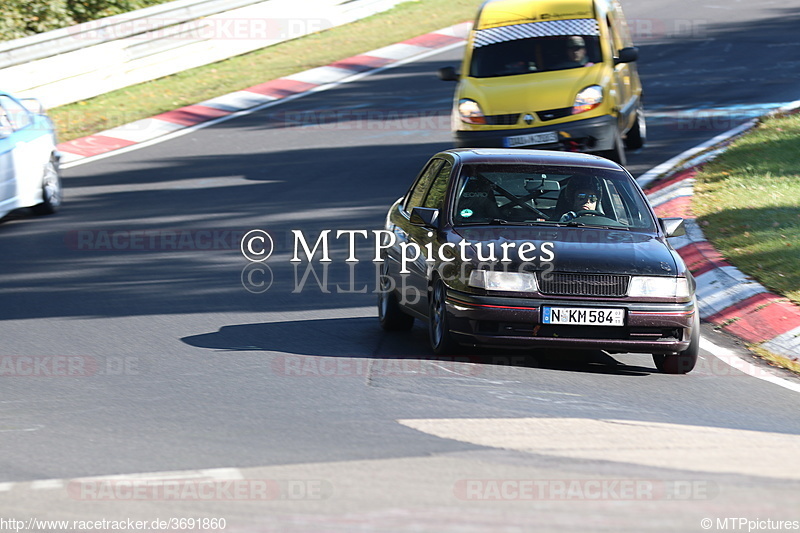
[{"x": 180, "y": 367}]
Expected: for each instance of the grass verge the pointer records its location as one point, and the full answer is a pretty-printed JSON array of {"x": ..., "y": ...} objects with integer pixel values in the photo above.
[
  {"x": 748, "y": 202},
  {"x": 777, "y": 360},
  {"x": 189, "y": 87}
]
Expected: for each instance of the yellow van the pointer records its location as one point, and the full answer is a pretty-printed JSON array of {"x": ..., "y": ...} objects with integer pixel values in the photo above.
[{"x": 549, "y": 74}]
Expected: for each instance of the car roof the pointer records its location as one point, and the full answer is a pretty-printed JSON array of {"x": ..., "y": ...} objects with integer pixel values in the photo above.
[
  {"x": 530, "y": 157},
  {"x": 495, "y": 13}
]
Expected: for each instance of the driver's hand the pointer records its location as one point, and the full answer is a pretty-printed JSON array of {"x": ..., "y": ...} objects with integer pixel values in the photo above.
[{"x": 569, "y": 215}]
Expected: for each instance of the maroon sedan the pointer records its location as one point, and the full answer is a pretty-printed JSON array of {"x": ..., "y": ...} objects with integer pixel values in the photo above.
[{"x": 532, "y": 249}]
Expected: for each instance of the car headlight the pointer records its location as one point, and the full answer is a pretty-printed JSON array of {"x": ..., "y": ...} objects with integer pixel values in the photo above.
[
  {"x": 588, "y": 99},
  {"x": 658, "y": 287},
  {"x": 470, "y": 111},
  {"x": 503, "y": 281}
]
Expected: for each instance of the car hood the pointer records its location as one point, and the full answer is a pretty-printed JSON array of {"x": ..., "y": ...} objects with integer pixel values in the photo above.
[{"x": 570, "y": 249}]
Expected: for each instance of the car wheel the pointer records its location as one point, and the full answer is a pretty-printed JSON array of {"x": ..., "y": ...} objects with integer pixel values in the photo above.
[
  {"x": 617, "y": 152},
  {"x": 51, "y": 189},
  {"x": 681, "y": 362},
  {"x": 390, "y": 315},
  {"x": 442, "y": 342},
  {"x": 637, "y": 136}
]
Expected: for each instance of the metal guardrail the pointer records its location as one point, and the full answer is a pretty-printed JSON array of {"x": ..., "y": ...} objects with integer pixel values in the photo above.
[
  {"x": 95, "y": 32},
  {"x": 82, "y": 61}
]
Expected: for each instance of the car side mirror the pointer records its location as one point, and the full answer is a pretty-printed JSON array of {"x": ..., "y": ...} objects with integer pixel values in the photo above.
[
  {"x": 426, "y": 217},
  {"x": 447, "y": 74},
  {"x": 673, "y": 227},
  {"x": 627, "y": 55}
]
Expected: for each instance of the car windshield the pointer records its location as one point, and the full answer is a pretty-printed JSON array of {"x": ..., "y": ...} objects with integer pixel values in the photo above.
[
  {"x": 534, "y": 54},
  {"x": 492, "y": 194}
]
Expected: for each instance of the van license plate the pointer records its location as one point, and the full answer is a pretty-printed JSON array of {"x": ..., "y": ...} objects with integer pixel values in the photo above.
[
  {"x": 582, "y": 316},
  {"x": 548, "y": 137}
]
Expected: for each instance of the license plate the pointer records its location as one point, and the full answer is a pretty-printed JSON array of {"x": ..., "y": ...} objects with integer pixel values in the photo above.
[
  {"x": 548, "y": 137},
  {"x": 583, "y": 316}
]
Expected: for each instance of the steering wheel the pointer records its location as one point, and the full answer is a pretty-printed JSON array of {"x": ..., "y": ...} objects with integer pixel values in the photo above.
[{"x": 589, "y": 212}]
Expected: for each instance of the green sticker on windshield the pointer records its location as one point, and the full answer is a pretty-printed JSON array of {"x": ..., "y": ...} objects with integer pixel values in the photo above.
[{"x": 466, "y": 213}]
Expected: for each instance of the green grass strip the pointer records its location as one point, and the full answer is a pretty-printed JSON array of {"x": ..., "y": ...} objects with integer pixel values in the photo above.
[
  {"x": 407, "y": 20},
  {"x": 747, "y": 201},
  {"x": 777, "y": 360}
]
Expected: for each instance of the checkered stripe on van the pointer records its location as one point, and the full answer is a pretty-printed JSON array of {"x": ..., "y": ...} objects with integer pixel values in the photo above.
[{"x": 536, "y": 29}]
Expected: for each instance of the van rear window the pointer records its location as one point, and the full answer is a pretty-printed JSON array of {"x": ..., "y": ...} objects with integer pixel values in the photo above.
[{"x": 535, "y": 47}]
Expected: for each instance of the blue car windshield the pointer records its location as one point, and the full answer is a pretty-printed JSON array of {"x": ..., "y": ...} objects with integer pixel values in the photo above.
[{"x": 531, "y": 194}]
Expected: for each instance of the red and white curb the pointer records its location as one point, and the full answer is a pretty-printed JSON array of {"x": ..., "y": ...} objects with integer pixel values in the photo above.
[
  {"x": 727, "y": 297},
  {"x": 252, "y": 99}
]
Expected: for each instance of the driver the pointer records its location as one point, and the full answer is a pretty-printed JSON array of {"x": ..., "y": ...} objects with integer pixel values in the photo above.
[{"x": 585, "y": 198}]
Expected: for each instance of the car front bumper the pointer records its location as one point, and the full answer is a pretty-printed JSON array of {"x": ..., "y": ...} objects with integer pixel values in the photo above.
[
  {"x": 587, "y": 135},
  {"x": 516, "y": 322}
]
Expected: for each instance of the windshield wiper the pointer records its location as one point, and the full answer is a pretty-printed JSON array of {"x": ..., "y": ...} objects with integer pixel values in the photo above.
[
  {"x": 573, "y": 224},
  {"x": 502, "y": 222}
]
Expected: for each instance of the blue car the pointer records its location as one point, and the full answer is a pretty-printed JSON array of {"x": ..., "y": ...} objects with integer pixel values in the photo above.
[{"x": 29, "y": 173}]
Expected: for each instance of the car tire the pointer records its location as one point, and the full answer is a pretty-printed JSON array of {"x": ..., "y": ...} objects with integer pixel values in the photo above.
[
  {"x": 681, "y": 362},
  {"x": 637, "y": 136},
  {"x": 51, "y": 189},
  {"x": 617, "y": 152},
  {"x": 441, "y": 340},
  {"x": 390, "y": 314}
]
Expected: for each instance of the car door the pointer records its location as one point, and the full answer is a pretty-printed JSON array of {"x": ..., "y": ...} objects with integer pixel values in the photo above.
[
  {"x": 425, "y": 238},
  {"x": 413, "y": 284},
  {"x": 32, "y": 147},
  {"x": 7, "y": 184}
]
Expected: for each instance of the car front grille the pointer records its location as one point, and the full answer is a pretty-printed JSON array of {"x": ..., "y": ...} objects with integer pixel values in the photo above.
[
  {"x": 502, "y": 120},
  {"x": 569, "y": 284},
  {"x": 552, "y": 114}
]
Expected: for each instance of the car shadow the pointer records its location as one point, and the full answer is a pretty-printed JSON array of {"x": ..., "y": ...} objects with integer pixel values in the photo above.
[{"x": 348, "y": 337}]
